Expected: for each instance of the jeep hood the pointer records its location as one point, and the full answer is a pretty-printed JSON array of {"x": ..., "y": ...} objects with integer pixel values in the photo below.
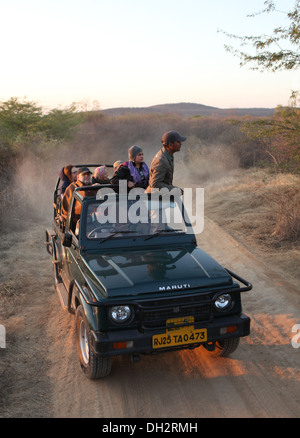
[{"x": 156, "y": 271}]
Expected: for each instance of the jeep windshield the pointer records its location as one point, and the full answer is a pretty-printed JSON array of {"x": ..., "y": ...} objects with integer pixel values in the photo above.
[{"x": 120, "y": 217}]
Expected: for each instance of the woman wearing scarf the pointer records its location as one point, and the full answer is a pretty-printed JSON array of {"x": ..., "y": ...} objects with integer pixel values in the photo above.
[
  {"x": 135, "y": 171},
  {"x": 100, "y": 176}
]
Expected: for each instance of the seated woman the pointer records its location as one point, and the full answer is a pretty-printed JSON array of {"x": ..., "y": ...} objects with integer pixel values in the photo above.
[
  {"x": 135, "y": 171},
  {"x": 67, "y": 174},
  {"x": 100, "y": 176}
]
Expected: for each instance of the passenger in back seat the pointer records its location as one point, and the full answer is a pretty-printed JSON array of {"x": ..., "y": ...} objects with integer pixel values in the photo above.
[
  {"x": 135, "y": 171},
  {"x": 100, "y": 176},
  {"x": 67, "y": 174},
  {"x": 83, "y": 179}
]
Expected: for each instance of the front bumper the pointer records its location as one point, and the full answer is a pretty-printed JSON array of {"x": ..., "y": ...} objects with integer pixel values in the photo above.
[{"x": 114, "y": 343}]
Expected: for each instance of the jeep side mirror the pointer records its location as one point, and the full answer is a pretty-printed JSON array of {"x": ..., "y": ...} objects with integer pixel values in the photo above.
[{"x": 67, "y": 240}]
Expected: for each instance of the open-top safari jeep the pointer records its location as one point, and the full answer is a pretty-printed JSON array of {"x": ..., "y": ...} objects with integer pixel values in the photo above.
[{"x": 130, "y": 270}]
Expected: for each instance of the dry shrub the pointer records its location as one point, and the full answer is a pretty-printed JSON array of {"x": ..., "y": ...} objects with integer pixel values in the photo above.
[
  {"x": 258, "y": 206},
  {"x": 287, "y": 214}
]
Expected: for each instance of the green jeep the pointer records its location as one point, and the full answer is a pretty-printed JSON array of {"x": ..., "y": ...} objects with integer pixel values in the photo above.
[{"x": 140, "y": 286}]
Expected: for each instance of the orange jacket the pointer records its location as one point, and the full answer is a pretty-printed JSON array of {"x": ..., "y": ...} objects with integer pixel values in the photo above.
[{"x": 67, "y": 199}]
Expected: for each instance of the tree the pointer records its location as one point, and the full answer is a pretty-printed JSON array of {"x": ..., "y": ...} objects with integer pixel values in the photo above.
[
  {"x": 278, "y": 137},
  {"x": 270, "y": 53},
  {"x": 59, "y": 123},
  {"x": 281, "y": 133},
  {"x": 19, "y": 117},
  {"x": 23, "y": 119}
]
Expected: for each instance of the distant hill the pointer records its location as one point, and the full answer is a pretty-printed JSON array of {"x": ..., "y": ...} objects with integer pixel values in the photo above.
[{"x": 191, "y": 109}]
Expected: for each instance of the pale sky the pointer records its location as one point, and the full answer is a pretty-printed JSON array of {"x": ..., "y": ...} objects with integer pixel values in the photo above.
[{"x": 136, "y": 53}]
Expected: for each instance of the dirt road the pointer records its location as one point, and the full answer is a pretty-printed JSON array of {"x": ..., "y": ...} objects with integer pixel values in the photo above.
[{"x": 40, "y": 374}]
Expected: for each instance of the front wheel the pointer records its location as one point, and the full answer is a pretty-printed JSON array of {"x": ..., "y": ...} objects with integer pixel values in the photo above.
[
  {"x": 225, "y": 347},
  {"x": 93, "y": 366}
]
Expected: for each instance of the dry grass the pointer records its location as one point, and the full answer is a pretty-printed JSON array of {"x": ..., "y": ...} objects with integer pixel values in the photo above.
[
  {"x": 255, "y": 199},
  {"x": 262, "y": 211},
  {"x": 287, "y": 201}
]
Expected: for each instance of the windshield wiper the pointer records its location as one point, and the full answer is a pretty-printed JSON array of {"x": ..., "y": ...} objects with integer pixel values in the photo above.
[
  {"x": 114, "y": 234},
  {"x": 163, "y": 231}
]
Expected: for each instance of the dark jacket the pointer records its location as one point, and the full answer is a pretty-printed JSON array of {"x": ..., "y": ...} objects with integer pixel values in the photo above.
[
  {"x": 98, "y": 181},
  {"x": 124, "y": 173},
  {"x": 65, "y": 181}
]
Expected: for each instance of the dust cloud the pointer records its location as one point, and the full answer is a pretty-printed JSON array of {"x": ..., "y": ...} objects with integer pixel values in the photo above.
[{"x": 196, "y": 164}]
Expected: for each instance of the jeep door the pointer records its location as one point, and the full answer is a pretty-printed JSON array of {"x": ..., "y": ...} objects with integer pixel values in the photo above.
[{"x": 71, "y": 254}]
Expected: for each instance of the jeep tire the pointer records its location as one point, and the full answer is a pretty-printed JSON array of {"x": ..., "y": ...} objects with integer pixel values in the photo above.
[
  {"x": 225, "y": 347},
  {"x": 93, "y": 366}
]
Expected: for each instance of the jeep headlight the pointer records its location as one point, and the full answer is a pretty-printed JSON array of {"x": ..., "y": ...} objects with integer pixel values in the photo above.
[
  {"x": 223, "y": 302},
  {"x": 120, "y": 314}
]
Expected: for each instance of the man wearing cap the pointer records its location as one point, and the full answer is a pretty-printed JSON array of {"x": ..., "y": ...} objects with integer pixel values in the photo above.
[
  {"x": 162, "y": 166},
  {"x": 83, "y": 179}
]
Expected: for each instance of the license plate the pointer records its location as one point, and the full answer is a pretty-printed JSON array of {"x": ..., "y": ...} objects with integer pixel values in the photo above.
[{"x": 173, "y": 338}]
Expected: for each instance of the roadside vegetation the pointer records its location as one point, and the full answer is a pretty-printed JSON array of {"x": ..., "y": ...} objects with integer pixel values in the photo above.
[
  {"x": 26, "y": 132},
  {"x": 279, "y": 136},
  {"x": 215, "y": 147}
]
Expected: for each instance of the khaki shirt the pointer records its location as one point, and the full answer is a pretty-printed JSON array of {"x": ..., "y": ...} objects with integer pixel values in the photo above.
[{"x": 161, "y": 170}]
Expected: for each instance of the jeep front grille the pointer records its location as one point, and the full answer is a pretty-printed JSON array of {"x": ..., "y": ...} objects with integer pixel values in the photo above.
[{"x": 155, "y": 314}]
